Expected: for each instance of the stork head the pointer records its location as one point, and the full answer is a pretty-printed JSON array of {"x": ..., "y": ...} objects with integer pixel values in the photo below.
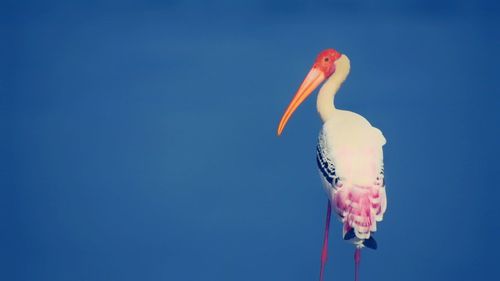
[
  {"x": 322, "y": 69},
  {"x": 325, "y": 62}
]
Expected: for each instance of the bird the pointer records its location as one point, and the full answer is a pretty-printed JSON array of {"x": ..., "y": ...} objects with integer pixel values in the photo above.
[{"x": 349, "y": 156}]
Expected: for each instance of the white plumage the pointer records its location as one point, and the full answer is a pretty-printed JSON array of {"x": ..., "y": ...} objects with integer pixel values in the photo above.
[
  {"x": 354, "y": 148},
  {"x": 349, "y": 157}
]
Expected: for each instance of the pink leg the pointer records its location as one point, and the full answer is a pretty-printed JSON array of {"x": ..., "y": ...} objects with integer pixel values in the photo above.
[
  {"x": 324, "y": 251},
  {"x": 357, "y": 259}
]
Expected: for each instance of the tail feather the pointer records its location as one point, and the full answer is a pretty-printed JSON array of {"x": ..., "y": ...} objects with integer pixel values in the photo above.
[
  {"x": 370, "y": 243},
  {"x": 349, "y": 234},
  {"x": 360, "y": 208}
]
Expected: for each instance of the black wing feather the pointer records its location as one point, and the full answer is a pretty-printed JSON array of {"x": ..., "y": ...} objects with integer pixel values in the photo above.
[{"x": 326, "y": 166}]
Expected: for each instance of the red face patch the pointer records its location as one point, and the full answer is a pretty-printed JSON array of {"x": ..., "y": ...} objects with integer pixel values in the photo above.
[{"x": 326, "y": 61}]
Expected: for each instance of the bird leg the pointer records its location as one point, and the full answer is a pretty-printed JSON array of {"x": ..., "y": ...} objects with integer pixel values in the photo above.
[
  {"x": 357, "y": 259},
  {"x": 324, "y": 251}
]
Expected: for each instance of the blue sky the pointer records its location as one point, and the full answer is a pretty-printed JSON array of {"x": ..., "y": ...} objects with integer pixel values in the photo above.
[{"x": 139, "y": 138}]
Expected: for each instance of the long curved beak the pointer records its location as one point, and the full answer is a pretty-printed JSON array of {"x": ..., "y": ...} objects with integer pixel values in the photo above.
[{"x": 311, "y": 82}]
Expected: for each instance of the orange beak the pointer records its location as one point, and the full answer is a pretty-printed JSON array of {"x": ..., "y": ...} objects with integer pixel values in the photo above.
[{"x": 311, "y": 82}]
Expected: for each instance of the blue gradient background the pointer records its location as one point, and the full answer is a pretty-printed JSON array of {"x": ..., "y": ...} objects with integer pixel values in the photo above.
[{"x": 138, "y": 138}]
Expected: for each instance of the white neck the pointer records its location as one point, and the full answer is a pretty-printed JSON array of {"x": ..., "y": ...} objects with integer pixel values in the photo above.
[{"x": 325, "y": 100}]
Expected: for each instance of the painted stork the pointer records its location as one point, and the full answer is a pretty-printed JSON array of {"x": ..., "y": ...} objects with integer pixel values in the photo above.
[{"x": 349, "y": 157}]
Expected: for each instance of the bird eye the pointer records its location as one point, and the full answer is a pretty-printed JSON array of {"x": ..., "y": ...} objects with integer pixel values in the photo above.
[{"x": 327, "y": 59}]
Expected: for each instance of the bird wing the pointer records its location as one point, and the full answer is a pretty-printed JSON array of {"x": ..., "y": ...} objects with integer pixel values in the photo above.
[
  {"x": 326, "y": 166},
  {"x": 350, "y": 162},
  {"x": 361, "y": 206}
]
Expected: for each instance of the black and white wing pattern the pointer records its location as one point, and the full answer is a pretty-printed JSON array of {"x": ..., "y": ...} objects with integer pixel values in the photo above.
[{"x": 326, "y": 165}]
